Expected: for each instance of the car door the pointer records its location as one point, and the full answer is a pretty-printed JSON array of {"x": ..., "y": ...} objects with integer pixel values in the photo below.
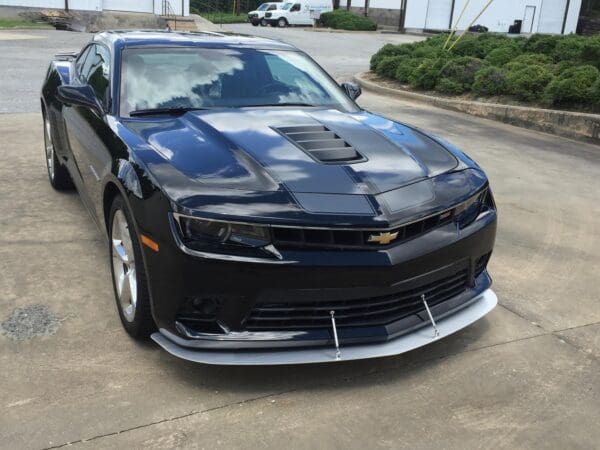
[
  {"x": 87, "y": 128},
  {"x": 295, "y": 14}
]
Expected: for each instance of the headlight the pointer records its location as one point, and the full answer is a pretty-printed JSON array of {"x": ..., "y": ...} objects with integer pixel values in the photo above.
[
  {"x": 467, "y": 212},
  {"x": 225, "y": 237}
]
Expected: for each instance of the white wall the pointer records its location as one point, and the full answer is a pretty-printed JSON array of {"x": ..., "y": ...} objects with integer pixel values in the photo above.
[
  {"x": 499, "y": 15},
  {"x": 416, "y": 13},
  {"x": 502, "y": 13},
  {"x": 147, "y": 6},
  {"x": 86, "y": 5},
  {"x": 384, "y": 4}
]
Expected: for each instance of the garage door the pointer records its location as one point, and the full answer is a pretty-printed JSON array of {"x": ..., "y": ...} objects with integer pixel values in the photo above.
[
  {"x": 552, "y": 16},
  {"x": 438, "y": 14},
  {"x": 145, "y": 6}
]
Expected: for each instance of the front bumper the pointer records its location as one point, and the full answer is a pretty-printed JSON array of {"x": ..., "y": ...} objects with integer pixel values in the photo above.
[{"x": 476, "y": 309}]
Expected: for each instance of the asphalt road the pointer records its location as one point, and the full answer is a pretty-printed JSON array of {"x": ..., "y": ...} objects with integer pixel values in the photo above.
[{"x": 526, "y": 376}]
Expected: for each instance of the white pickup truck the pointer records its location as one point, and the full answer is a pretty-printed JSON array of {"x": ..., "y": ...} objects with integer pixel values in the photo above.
[{"x": 298, "y": 13}]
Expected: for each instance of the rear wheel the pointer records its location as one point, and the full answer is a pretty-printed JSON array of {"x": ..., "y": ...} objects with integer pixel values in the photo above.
[
  {"x": 58, "y": 174},
  {"x": 282, "y": 22},
  {"x": 128, "y": 275}
]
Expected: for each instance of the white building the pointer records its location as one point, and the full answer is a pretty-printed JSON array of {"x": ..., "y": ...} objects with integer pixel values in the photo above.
[
  {"x": 158, "y": 7},
  {"x": 538, "y": 16}
]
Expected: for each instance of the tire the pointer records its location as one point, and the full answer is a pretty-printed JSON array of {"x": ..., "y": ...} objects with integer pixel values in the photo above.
[
  {"x": 58, "y": 175},
  {"x": 128, "y": 277},
  {"x": 263, "y": 23},
  {"x": 254, "y": 24},
  {"x": 282, "y": 22}
]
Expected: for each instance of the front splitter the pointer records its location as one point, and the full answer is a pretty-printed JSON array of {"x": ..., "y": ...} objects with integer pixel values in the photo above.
[{"x": 482, "y": 305}]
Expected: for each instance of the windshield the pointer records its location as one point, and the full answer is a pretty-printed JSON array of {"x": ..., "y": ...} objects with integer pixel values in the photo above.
[
  {"x": 263, "y": 7},
  {"x": 155, "y": 78}
]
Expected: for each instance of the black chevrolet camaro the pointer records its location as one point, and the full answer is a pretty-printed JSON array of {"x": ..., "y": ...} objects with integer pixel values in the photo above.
[{"x": 254, "y": 213}]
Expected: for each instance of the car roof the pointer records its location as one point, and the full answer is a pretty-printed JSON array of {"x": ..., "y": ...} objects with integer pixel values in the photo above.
[{"x": 136, "y": 38}]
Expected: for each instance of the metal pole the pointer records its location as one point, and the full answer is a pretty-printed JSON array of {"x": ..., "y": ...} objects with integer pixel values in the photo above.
[
  {"x": 471, "y": 24},
  {"x": 402, "y": 16},
  {"x": 564, "y": 24},
  {"x": 456, "y": 24}
]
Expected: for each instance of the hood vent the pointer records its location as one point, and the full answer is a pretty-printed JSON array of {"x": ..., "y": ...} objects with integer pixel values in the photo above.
[{"x": 321, "y": 143}]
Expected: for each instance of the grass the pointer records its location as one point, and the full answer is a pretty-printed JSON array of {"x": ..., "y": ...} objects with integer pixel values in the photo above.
[
  {"x": 225, "y": 17},
  {"x": 19, "y": 23}
]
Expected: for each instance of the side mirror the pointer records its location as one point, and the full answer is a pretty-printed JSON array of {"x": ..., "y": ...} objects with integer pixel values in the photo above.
[
  {"x": 82, "y": 95},
  {"x": 353, "y": 90}
]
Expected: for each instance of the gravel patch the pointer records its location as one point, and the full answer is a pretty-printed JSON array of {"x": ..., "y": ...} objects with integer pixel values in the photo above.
[{"x": 30, "y": 321}]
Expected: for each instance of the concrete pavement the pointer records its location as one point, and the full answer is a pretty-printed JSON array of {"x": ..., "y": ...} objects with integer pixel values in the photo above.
[{"x": 526, "y": 376}]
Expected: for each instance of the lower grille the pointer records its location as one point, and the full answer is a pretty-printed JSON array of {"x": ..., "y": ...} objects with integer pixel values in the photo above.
[{"x": 372, "y": 311}]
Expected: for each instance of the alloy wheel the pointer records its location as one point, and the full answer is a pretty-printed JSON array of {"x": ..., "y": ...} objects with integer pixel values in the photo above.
[
  {"x": 123, "y": 265},
  {"x": 49, "y": 148}
]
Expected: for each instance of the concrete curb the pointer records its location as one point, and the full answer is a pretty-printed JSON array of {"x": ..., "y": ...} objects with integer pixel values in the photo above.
[{"x": 574, "y": 125}]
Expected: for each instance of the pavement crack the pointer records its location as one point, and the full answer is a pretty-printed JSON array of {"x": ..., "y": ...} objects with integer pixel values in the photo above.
[
  {"x": 289, "y": 391},
  {"x": 171, "y": 419},
  {"x": 522, "y": 316}
]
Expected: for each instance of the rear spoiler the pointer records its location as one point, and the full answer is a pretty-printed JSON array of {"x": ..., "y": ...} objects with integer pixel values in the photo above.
[{"x": 66, "y": 56}]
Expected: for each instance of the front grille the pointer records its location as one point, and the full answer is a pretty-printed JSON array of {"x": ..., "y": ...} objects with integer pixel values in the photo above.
[
  {"x": 372, "y": 311},
  {"x": 285, "y": 237}
]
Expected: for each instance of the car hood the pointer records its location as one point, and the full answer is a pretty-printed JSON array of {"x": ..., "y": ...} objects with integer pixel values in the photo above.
[
  {"x": 255, "y": 149},
  {"x": 250, "y": 154}
]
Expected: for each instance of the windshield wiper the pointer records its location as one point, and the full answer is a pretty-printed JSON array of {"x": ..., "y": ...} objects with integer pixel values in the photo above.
[
  {"x": 174, "y": 110},
  {"x": 283, "y": 104}
]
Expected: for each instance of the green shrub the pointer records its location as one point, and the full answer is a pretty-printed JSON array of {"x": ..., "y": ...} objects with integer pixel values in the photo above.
[
  {"x": 568, "y": 48},
  {"x": 448, "y": 86},
  {"x": 594, "y": 95},
  {"x": 429, "y": 52},
  {"x": 469, "y": 46},
  {"x": 427, "y": 73},
  {"x": 491, "y": 41},
  {"x": 387, "y": 66},
  {"x": 490, "y": 81},
  {"x": 462, "y": 70},
  {"x": 346, "y": 20},
  {"x": 533, "y": 58},
  {"x": 529, "y": 82},
  {"x": 502, "y": 55},
  {"x": 572, "y": 86},
  {"x": 541, "y": 43},
  {"x": 406, "y": 69},
  {"x": 391, "y": 50},
  {"x": 590, "y": 51}
]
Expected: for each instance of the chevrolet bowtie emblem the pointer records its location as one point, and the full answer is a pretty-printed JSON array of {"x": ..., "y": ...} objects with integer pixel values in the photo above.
[{"x": 383, "y": 238}]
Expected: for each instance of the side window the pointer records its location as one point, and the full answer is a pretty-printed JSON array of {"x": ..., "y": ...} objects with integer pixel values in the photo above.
[
  {"x": 272, "y": 8},
  {"x": 96, "y": 72},
  {"x": 81, "y": 61},
  {"x": 296, "y": 7}
]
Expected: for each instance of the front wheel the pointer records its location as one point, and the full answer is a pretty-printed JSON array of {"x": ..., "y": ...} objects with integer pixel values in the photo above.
[
  {"x": 58, "y": 175},
  {"x": 263, "y": 22},
  {"x": 282, "y": 23},
  {"x": 254, "y": 24},
  {"x": 128, "y": 275}
]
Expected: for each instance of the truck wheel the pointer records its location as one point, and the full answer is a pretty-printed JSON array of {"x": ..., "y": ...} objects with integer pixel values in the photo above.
[
  {"x": 282, "y": 23},
  {"x": 263, "y": 23},
  {"x": 254, "y": 24}
]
